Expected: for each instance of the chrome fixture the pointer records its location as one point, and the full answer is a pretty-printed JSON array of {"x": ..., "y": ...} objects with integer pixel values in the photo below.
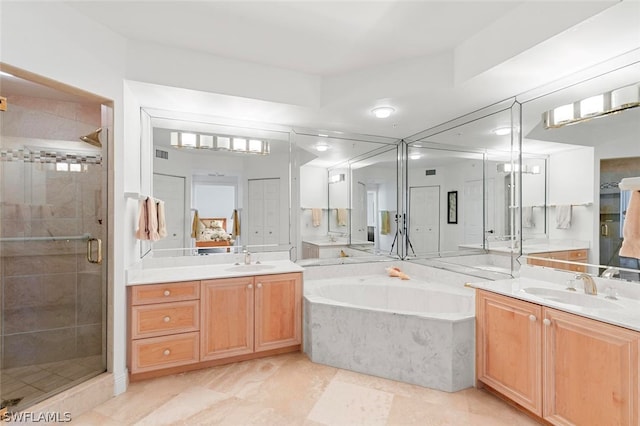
[
  {"x": 219, "y": 143},
  {"x": 589, "y": 283},
  {"x": 93, "y": 138},
  {"x": 593, "y": 107},
  {"x": 610, "y": 272},
  {"x": 247, "y": 257},
  {"x": 509, "y": 167}
]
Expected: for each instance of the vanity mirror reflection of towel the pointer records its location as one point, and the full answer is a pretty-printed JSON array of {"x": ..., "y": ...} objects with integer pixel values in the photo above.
[{"x": 563, "y": 217}]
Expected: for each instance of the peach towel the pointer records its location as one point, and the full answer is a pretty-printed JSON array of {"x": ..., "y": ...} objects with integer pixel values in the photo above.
[
  {"x": 152, "y": 219},
  {"x": 316, "y": 217},
  {"x": 162, "y": 221},
  {"x": 342, "y": 217},
  {"x": 631, "y": 231},
  {"x": 142, "y": 233}
]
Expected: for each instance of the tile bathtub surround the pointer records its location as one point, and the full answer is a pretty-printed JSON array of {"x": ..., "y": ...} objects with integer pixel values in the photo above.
[{"x": 291, "y": 390}]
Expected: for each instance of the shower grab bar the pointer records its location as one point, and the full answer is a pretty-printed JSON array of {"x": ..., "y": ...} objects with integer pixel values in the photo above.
[{"x": 19, "y": 239}]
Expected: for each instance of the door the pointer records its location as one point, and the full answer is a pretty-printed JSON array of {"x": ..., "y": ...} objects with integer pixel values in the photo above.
[
  {"x": 508, "y": 341},
  {"x": 264, "y": 212},
  {"x": 278, "y": 311},
  {"x": 424, "y": 214},
  {"x": 359, "y": 214},
  {"x": 591, "y": 371},
  {"x": 226, "y": 318},
  {"x": 479, "y": 211},
  {"x": 171, "y": 190}
]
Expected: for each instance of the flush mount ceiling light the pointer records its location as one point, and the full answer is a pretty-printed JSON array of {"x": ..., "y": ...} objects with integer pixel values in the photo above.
[
  {"x": 383, "y": 111},
  {"x": 414, "y": 156},
  {"x": 322, "y": 147},
  {"x": 593, "y": 107},
  {"x": 508, "y": 168},
  {"x": 502, "y": 131},
  {"x": 219, "y": 143},
  {"x": 337, "y": 178}
]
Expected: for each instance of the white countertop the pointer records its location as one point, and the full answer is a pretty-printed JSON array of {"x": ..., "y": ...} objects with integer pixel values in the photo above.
[
  {"x": 337, "y": 243},
  {"x": 209, "y": 271},
  {"x": 627, "y": 315},
  {"x": 530, "y": 248}
]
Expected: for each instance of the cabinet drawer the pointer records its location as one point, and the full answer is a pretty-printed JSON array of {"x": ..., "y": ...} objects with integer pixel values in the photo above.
[
  {"x": 577, "y": 255},
  {"x": 164, "y": 352},
  {"x": 164, "y": 318},
  {"x": 165, "y": 292}
]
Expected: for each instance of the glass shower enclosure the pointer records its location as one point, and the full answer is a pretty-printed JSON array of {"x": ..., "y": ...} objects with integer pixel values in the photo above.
[{"x": 53, "y": 229}]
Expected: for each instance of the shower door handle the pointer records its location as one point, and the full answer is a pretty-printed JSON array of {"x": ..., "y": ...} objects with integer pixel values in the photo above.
[
  {"x": 604, "y": 230},
  {"x": 98, "y": 258}
]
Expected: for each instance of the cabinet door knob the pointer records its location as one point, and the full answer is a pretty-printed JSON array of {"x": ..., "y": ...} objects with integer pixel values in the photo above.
[
  {"x": 167, "y": 293},
  {"x": 166, "y": 319},
  {"x": 532, "y": 318},
  {"x": 546, "y": 321},
  {"x": 259, "y": 285},
  {"x": 166, "y": 352},
  {"x": 250, "y": 286}
]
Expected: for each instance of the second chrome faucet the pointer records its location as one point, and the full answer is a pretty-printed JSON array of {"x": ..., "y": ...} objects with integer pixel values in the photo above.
[{"x": 589, "y": 284}]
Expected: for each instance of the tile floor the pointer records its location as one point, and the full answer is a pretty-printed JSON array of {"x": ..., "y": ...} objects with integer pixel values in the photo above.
[
  {"x": 33, "y": 383},
  {"x": 291, "y": 390}
]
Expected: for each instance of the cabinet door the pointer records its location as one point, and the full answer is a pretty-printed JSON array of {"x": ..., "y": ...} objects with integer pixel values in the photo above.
[
  {"x": 227, "y": 318},
  {"x": 590, "y": 371},
  {"x": 508, "y": 342},
  {"x": 278, "y": 311}
]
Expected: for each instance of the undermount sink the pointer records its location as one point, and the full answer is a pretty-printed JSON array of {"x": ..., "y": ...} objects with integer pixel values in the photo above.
[
  {"x": 252, "y": 267},
  {"x": 572, "y": 298}
]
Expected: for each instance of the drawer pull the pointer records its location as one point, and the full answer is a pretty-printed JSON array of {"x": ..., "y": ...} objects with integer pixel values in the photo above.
[
  {"x": 250, "y": 286},
  {"x": 532, "y": 318},
  {"x": 167, "y": 293},
  {"x": 166, "y": 352},
  {"x": 259, "y": 285},
  {"x": 166, "y": 319},
  {"x": 546, "y": 322}
]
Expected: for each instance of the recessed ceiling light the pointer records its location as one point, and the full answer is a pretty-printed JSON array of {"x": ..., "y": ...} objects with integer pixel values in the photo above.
[
  {"x": 322, "y": 147},
  {"x": 502, "y": 131},
  {"x": 382, "y": 112},
  {"x": 322, "y": 135},
  {"x": 414, "y": 156}
]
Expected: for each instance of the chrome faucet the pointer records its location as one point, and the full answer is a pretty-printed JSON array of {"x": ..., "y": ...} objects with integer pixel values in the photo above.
[
  {"x": 610, "y": 272},
  {"x": 589, "y": 283},
  {"x": 247, "y": 257}
]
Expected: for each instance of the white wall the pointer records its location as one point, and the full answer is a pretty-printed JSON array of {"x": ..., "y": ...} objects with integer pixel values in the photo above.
[
  {"x": 53, "y": 40},
  {"x": 313, "y": 181}
]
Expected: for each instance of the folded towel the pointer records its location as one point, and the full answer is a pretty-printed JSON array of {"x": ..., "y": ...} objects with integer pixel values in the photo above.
[
  {"x": 162, "y": 222},
  {"x": 236, "y": 223},
  {"x": 152, "y": 219},
  {"x": 342, "y": 217},
  {"x": 316, "y": 217},
  {"x": 385, "y": 222},
  {"x": 194, "y": 225},
  {"x": 563, "y": 217},
  {"x": 527, "y": 217},
  {"x": 631, "y": 229},
  {"x": 142, "y": 233}
]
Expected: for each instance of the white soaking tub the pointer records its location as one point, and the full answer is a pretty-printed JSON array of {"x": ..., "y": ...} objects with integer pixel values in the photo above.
[{"x": 412, "y": 331}]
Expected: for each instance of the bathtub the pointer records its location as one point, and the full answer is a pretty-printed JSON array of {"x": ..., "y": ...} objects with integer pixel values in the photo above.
[{"x": 411, "y": 331}]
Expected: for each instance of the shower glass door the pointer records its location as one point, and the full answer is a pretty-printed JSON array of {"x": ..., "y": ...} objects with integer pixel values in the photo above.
[{"x": 52, "y": 235}]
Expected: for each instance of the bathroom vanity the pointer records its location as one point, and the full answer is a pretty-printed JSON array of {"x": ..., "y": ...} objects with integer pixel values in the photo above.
[
  {"x": 570, "y": 359},
  {"x": 219, "y": 314}
]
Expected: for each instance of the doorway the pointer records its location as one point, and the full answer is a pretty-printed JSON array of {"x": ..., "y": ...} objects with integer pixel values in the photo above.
[{"x": 424, "y": 214}]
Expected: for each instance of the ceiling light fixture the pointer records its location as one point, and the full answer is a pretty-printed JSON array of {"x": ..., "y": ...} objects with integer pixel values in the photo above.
[
  {"x": 322, "y": 147},
  {"x": 383, "y": 111},
  {"x": 593, "y": 107},
  {"x": 219, "y": 143},
  {"x": 414, "y": 156},
  {"x": 336, "y": 178},
  {"x": 502, "y": 131}
]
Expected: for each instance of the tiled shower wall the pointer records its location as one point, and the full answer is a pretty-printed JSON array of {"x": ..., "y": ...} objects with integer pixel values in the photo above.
[{"x": 51, "y": 297}]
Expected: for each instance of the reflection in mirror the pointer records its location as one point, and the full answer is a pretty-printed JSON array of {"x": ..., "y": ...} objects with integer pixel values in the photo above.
[
  {"x": 586, "y": 208},
  {"x": 345, "y": 180},
  {"x": 225, "y": 187},
  {"x": 462, "y": 195}
]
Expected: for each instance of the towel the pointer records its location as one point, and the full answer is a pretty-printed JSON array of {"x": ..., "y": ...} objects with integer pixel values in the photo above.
[
  {"x": 142, "y": 233},
  {"x": 162, "y": 222},
  {"x": 342, "y": 217},
  {"x": 194, "y": 225},
  {"x": 631, "y": 229},
  {"x": 152, "y": 219},
  {"x": 563, "y": 217},
  {"x": 527, "y": 217},
  {"x": 316, "y": 217},
  {"x": 236, "y": 223},
  {"x": 385, "y": 225}
]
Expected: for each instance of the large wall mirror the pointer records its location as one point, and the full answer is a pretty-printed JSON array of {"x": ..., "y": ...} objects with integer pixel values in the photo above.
[
  {"x": 588, "y": 153},
  {"x": 226, "y": 187}
]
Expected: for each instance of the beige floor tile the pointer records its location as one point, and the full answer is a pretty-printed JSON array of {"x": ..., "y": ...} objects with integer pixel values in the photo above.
[
  {"x": 235, "y": 411},
  {"x": 482, "y": 402},
  {"x": 240, "y": 379},
  {"x": 92, "y": 418},
  {"x": 349, "y": 404}
]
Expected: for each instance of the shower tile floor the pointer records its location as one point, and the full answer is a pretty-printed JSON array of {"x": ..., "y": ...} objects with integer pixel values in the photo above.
[
  {"x": 29, "y": 384},
  {"x": 291, "y": 390}
]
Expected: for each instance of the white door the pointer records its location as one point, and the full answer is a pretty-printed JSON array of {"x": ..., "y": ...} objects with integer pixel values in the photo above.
[
  {"x": 170, "y": 189},
  {"x": 475, "y": 210},
  {"x": 424, "y": 213},
  {"x": 264, "y": 212},
  {"x": 359, "y": 213}
]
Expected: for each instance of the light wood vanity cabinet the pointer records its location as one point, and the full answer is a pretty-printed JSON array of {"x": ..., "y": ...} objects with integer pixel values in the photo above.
[
  {"x": 251, "y": 315},
  {"x": 182, "y": 326},
  {"x": 570, "y": 255},
  {"x": 563, "y": 367}
]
